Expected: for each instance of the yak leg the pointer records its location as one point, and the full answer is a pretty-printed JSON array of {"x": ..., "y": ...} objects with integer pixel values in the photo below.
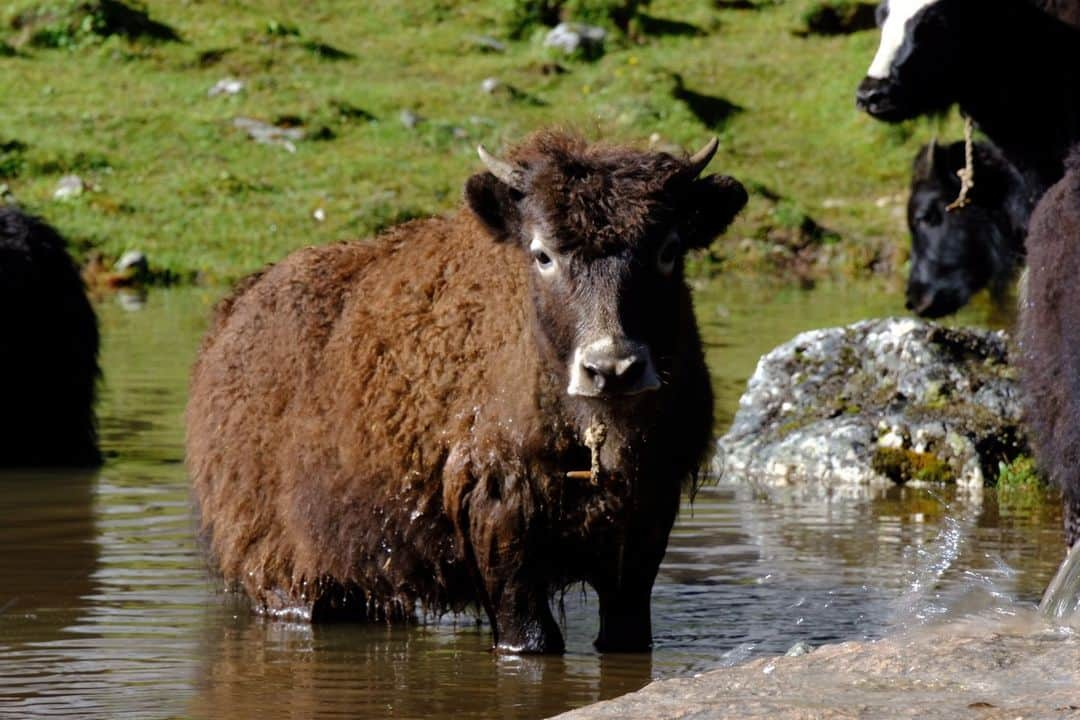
[
  {"x": 625, "y": 585},
  {"x": 522, "y": 620},
  {"x": 514, "y": 586},
  {"x": 625, "y": 593},
  {"x": 625, "y": 618}
]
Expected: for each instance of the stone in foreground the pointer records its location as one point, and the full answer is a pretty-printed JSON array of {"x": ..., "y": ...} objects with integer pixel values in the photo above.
[
  {"x": 962, "y": 671},
  {"x": 880, "y": 401}
]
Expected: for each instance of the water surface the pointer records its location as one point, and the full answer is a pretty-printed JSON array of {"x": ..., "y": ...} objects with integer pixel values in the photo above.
[{"x": 106, "y": 609}]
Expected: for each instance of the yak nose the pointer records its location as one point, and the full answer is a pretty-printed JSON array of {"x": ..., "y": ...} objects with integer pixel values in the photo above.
[
  {"x": 919, "y": 297},
  {"x": 870, "y": 94},
  {"x": 611, "y": 367}
]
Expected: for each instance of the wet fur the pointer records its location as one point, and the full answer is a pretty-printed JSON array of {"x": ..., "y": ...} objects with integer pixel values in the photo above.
[
  {"x": 48, "y": 356},
  {"x": 1050, "y": 339},
  {"x": 375, "y": 425},
  {"x": 955, "y": 253}
]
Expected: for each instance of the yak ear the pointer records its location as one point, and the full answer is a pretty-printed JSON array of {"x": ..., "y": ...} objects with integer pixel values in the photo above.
[
  {"x": 714, "y": 202},
  {"x": 496, "y": 205}
]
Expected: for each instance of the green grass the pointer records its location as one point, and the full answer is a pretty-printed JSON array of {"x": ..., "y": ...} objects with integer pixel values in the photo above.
[{"x": 170, "y": 175}]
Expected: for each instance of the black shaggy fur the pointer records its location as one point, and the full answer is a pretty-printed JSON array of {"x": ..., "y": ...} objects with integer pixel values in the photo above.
[
  {"x": 955, "y": 253},
  {"x": 48, "y": 352},
  {"x": 1050, "y": 339}
]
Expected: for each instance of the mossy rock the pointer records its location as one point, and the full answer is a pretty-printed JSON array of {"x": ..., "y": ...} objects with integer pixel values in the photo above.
[
  {"x": 879, "y": 402},
  {"x": 902, "y": 465}
]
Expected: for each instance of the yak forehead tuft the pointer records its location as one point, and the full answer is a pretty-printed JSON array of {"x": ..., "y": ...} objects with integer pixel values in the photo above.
[
  {"x": 596, "y": 199},
  {"x": 894, "y": 33}
]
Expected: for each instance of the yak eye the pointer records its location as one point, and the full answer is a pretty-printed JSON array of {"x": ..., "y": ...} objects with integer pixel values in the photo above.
[
  {"x": 669, "y": 253},
  {"x": 930, "y": 216},
  {"x": 545, "y": 263}
]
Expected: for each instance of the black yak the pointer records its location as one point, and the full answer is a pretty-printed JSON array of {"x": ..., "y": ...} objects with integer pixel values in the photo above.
[
  {"x": 48, "y": 352},
  {"x": 957, "y": 252}
]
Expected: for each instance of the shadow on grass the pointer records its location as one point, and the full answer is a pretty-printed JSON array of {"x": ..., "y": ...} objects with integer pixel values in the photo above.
[
  {"x": 713, "y": 111},
  {"x": 651, "y": 25}
]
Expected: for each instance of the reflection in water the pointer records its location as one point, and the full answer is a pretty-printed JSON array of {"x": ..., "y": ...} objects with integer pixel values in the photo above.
[
  {"x": 48, "y": 562},
  {"x": 117, "y": 616},
  {"x": 365, "y": 671}
]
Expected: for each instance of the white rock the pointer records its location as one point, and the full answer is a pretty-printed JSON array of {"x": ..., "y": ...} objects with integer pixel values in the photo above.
[
  {"x": 820, "y": 407},
  {"x": 70, "y": 186},
  {"x": 571, "y": 37},
  {"x": 226, "y": 86}
]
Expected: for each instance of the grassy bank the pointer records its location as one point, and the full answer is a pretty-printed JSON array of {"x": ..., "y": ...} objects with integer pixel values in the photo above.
[{"x": 167, "y": 171}]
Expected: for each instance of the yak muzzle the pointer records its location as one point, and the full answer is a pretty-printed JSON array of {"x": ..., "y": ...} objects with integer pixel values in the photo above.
[
  {"x": 877, "y": 97},
  {"x": 612, "y": 367}
]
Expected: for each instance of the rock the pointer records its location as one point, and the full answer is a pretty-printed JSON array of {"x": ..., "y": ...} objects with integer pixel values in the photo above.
[
  {"x": 267, "y": 134},
  {"x": 410, "y": 119},
  {"x": 490, "y": 85},
  {"x": 877, "y": 402},
  {"x": 226, "y": 86},
  {"x": 132, "y": 262},
  {"x": 799, "y": 649},
  {"x": 486, "y": 43},
  {"x": 70, "y": 186},
  {"x": 572, "y": 38},
  {"x": 983, "y": 669}
]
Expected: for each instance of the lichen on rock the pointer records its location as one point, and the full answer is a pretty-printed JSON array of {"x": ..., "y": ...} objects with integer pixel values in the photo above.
[{"x": 878, "y": 402}]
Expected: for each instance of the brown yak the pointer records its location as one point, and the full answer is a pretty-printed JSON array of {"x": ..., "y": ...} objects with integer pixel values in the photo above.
[{"x": 377, "y": 424}]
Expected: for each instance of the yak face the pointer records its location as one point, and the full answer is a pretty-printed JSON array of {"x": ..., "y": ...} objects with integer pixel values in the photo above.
[
  {"x": 955, "y": 253},
  {"x": 917, "y": 56},
  {"x": 604, "y": 232},
  {"x": 949, "y": 259}
]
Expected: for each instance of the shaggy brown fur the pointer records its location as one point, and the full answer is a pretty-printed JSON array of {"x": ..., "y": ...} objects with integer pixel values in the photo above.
[
  {"x": 375, "y": 424},
  {"x": 1050, "y": 338}
]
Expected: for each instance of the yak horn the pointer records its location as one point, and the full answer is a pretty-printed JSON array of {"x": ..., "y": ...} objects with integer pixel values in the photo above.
[
  {"x": 504, "y": 171},
  {"x": 700, "y": 160}
]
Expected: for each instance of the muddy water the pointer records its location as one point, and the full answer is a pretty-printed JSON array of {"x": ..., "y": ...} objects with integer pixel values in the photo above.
[{"x": 106, "y": 609}]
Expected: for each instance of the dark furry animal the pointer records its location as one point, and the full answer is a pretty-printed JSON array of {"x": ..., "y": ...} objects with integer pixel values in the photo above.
[
  {"x": 48, "y": 352},
  {"x": 955, "y": 253},
  {"x": 1064, "y": 10},
  {"x": 373, "y": 425},
  {"x": 1009, "y": 65},
  {"x": 1050, "y": 339}
]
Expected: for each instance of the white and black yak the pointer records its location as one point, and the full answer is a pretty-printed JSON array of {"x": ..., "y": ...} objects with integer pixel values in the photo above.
[
  {"x": 1011, "y": 66},
  {"x": 48, "y": 351},
  {"x": 956, "y": 252},
  {"x": 469, "y": 411}
]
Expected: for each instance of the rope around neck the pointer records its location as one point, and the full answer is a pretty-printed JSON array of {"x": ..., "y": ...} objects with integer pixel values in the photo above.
[
  {"x": 967, "y": 173},
  {"x": 595, "y": 435}
]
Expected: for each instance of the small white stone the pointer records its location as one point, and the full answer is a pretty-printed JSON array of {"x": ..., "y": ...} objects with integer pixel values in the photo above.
[{"x": 70, "y": 186}]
